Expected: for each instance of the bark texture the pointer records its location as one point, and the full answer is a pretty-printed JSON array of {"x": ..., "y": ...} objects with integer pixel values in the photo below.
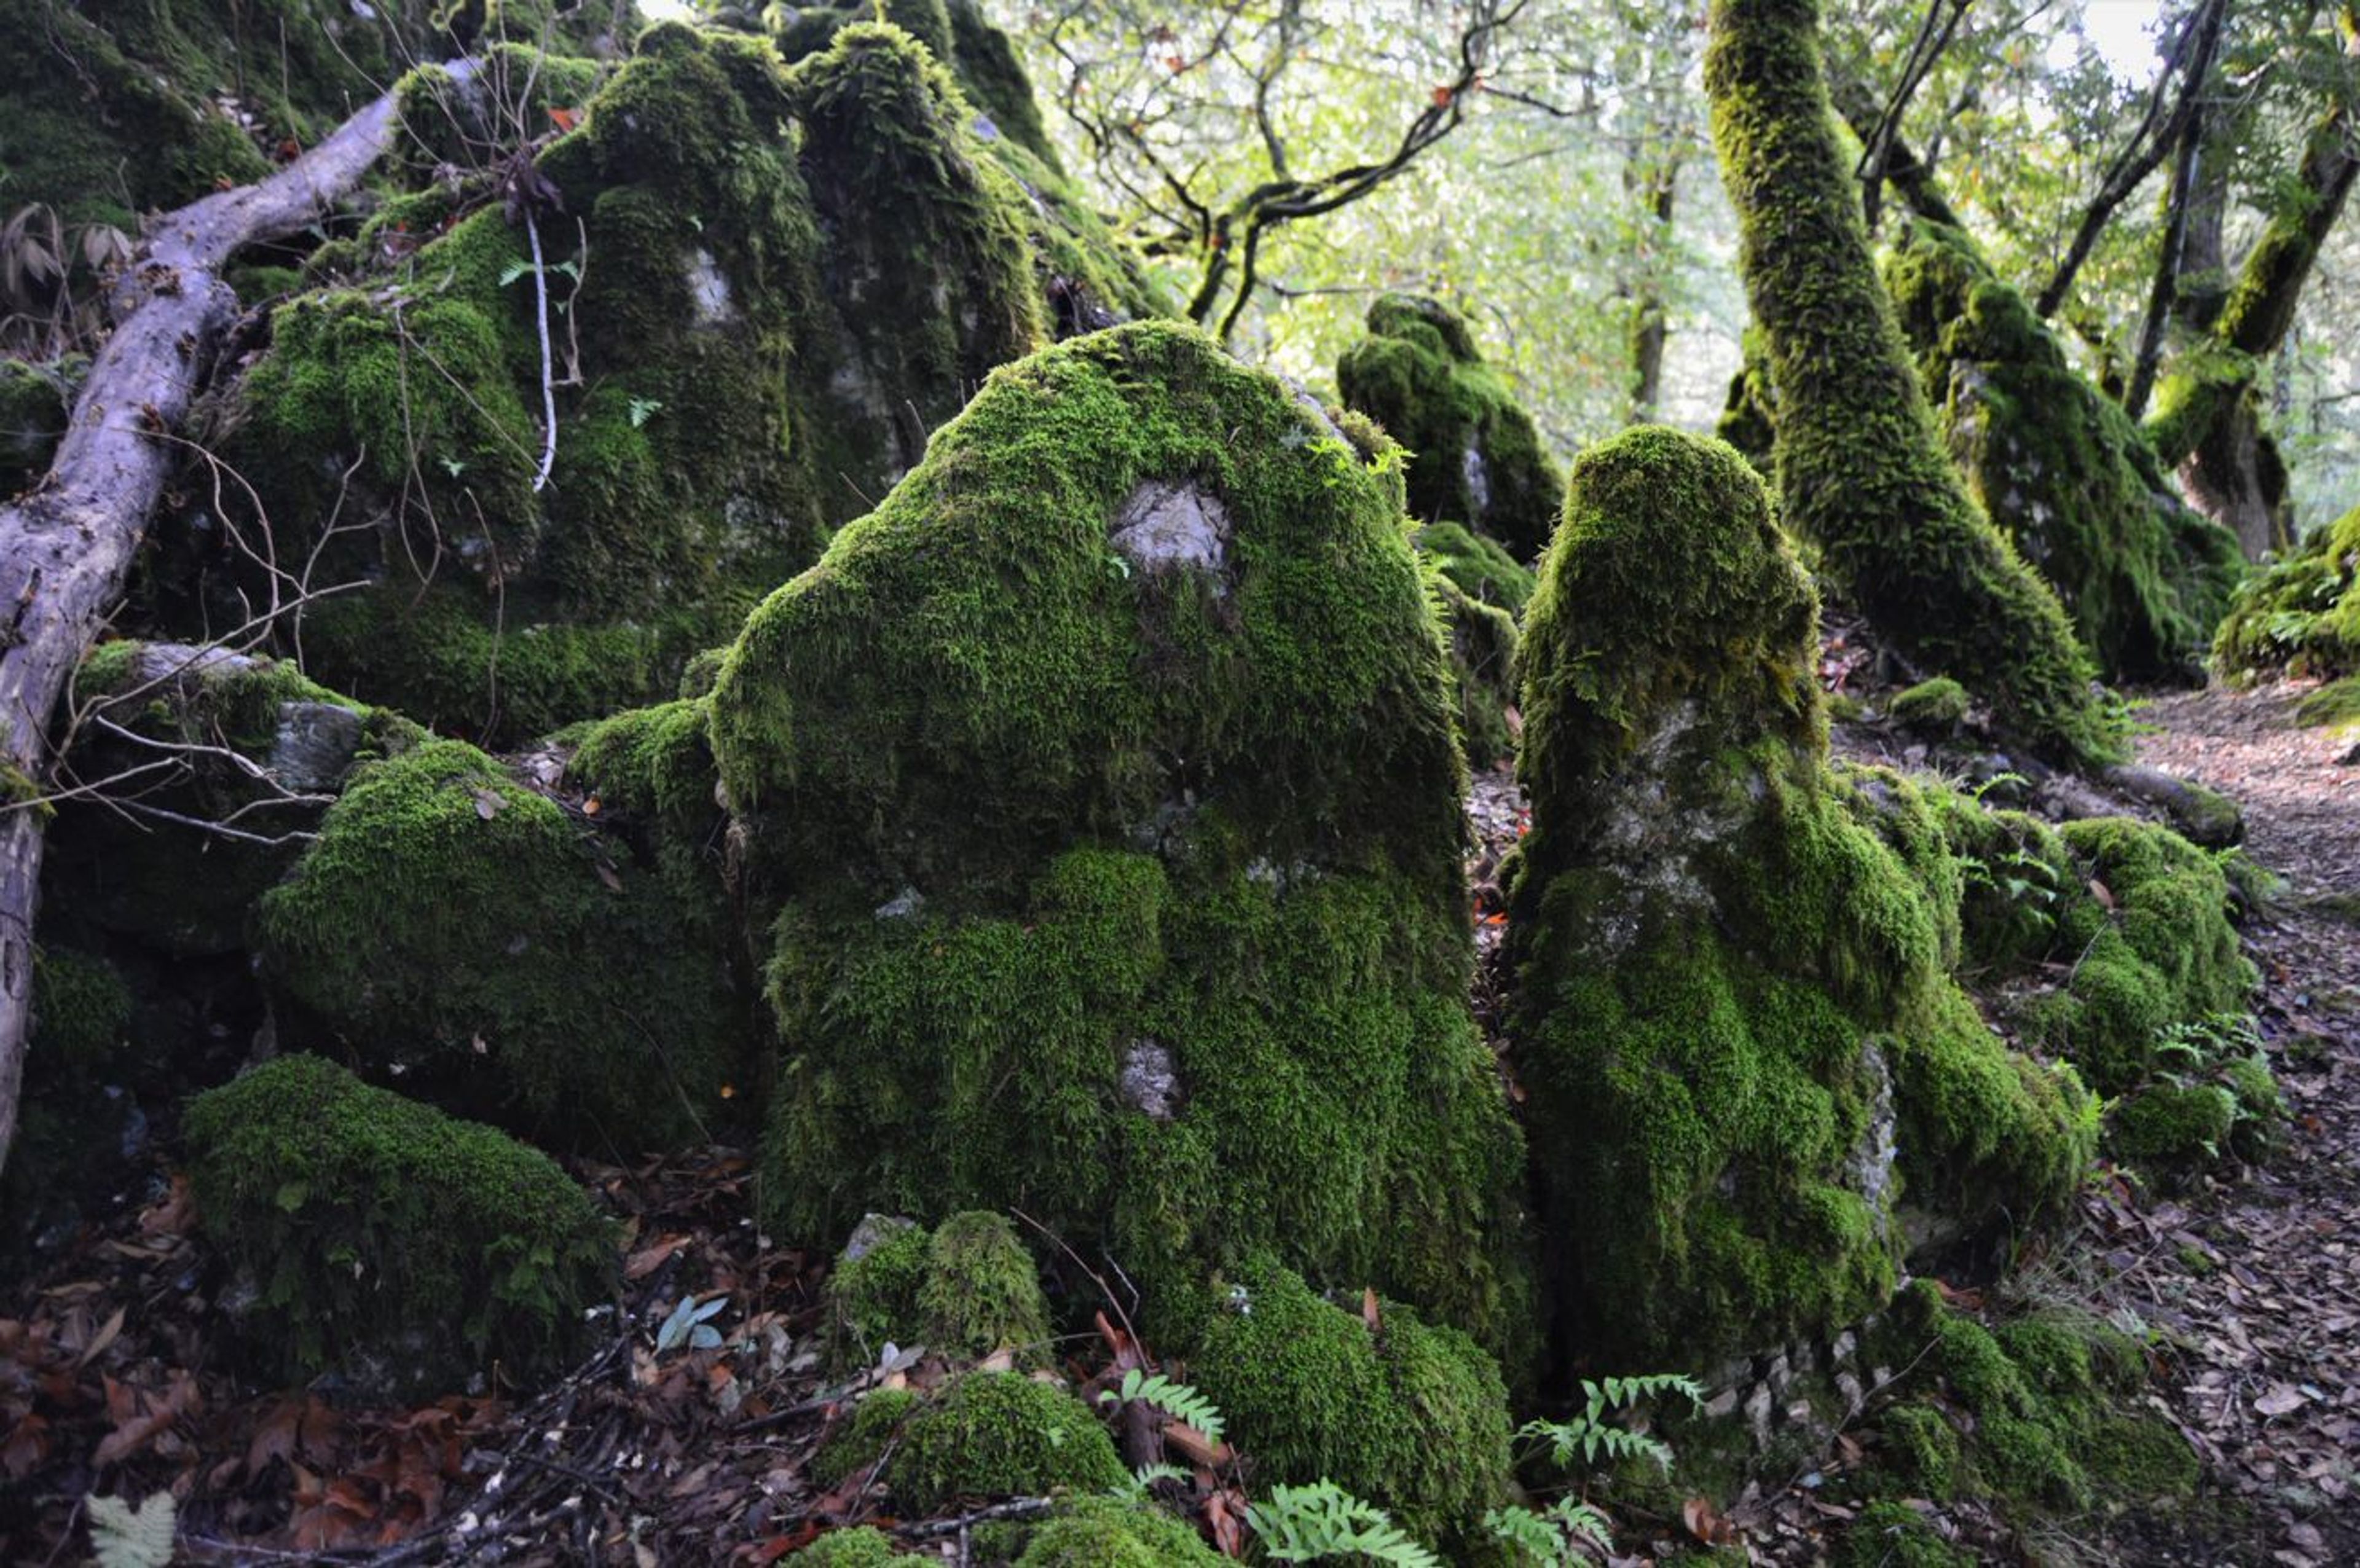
[{"x": 67, "y": 544}]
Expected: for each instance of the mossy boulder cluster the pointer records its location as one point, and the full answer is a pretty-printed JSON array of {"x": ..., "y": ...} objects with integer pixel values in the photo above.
[
  {"x": 1734, "y": 965},
  {"x": 748, "y": 292},
  {"x": 2059, "y": 468},
  {"x": 1474, "y": 455}
]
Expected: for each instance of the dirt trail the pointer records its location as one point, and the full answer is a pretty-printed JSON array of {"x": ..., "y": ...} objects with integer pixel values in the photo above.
[{"x": 2258, "y": 1282}]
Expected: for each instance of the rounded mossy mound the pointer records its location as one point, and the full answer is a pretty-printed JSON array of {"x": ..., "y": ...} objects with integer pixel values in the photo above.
[
  {"x": 997, "y": 1435},
  {"x": 2059, "y": 468},
  {"x": 864, "y": 1546},
  {"x": 2042, "y": 1413},
  {"x": 404, "y": 1249},
  {"x": 2301, "y": 614},
  {"x": 1412, "y": 1418},
  {"x": 452, "y": 919},
  {"x": 1862, "y": 470},
  {"x": 1475, "y": 454},
  {"x": 1107, "y": 771},
  {"x": 1107, "y": 1532},
  {"x": 967, "y": 1290},
  {"x": 1479, "y": 567},
  {"x": 1737, "y": 1026}
]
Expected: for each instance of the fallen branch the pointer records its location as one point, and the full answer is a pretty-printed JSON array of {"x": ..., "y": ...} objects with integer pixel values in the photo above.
[{"x": 67, "y": 544}]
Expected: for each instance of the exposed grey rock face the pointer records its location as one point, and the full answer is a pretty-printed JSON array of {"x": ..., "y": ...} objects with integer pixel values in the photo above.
[{"x": 1164, "y": 525}]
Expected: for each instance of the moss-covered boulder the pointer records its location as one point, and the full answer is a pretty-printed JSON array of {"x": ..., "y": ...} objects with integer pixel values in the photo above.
[
  {"x": 864, "y": 1546},
  {"x": 958, "y": 34},
  {"x": 751, "y": 292},
  {"x": 1108, "y": 771},
  {"x": 113, "y": 109},
  {"x": 2155, "y": 987},
  {"x": 1477, "y": 566},
  {"x": 1407, "y": 1416},
  {"x": 967, "y": 1290},
  {"x": 1861, "y": 470},
  {"x": 230, "y": 760},
  {"x": 1475, "y": 455},
  {"x": 1737, "y": 1025},
  {"x": 1104, "y": 1532},
  {"x": 405, "y": 1250},
  {"x": 981, "y": 1435},
  {"x": 1483, "y": 663},
  {"x": 2040, "y": 1413},
  {"x": 456, "y": 920},
  {"x": 2059, "y": 467},
  {"x": 2301, "y": 614}
]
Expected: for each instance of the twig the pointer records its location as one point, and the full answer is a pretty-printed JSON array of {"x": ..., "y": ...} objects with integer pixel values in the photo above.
[{"x": 548, "y": 383}]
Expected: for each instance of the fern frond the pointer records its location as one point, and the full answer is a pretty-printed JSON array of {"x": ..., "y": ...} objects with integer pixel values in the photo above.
[
  {"x": 128, "y": 1538},
  {"x": 1304, "y": 1524},
  {"x": 1177, "y": 1401}
]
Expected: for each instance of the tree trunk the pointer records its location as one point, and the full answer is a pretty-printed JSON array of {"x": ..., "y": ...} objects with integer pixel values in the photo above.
[
  {"x": 67, "y": 544},
  {"x": 2207, "y": 419}
]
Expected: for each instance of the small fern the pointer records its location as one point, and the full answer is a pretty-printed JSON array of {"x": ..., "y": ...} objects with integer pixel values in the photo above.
[
  {"x": 125, "y": 1538},
  {"x": 1305, "y": 1524},
  {"x": 1588, "y": 1436},
  {"x": 1177, "y": 1401},
  {"x": 1551, "y": 1538},
  {"x": 1137, "y": 1491}
]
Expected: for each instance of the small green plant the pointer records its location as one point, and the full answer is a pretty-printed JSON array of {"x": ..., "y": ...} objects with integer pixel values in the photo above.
[
  {"x": 688, "y": 1326},
  {"x": 1177, "y": 1401},
  {"x": 1141, "y": 1488},
  {"x": 1587, "y": 1433},
  {"x": 1552, "y": 1537},
  {"x": 1305, "y": 1524},
  {"x": 643, "y": 410}
]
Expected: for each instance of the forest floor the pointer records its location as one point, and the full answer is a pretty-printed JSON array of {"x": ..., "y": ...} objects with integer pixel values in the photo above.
[{"x": 113, "y": 1381}]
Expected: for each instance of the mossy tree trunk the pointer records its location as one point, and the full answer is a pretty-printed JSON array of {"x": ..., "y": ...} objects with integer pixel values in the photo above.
[
  {"x": 2207, "y": 419},
  {"x": 66, "y": 545},
  {"x": 1861, "y": 466}
]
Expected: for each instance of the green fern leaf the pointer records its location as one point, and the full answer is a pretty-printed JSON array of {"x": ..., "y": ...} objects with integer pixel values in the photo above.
[{"x": 128, "y": 1538}]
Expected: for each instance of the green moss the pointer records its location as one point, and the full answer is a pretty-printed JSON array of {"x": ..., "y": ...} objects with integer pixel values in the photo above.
[
  {"x": 1938, "y": 704},
  {"x": 1736, "y": 995},
  {"x": 1477, "y": 566},
  {"x": 867, "y": 1438},
  {"x": 253, "y": 732},
  {"x": 1922, "y": 1448},
  {"x": 378, "y": 1230},
  {"x": 1483, "y": 663},
  {"x": 981, "y": 1292},
  {"x": 1409, "y": 1417},
  {"x": 2055, "y": 1423},
  {"x": 450, "y": 918},
  {"x": 1100, "y": 1532},
  {"x": 1050, "y": 812},
  {"x": 991, "y": 1434},
  {"x": 880, "y": 116},
  {"x": 2059, "y": 467},
  {"x": 1895, "y": 1535},
  {"x": 864, "y": 1546},
  {"x": 2301, "y": 614},
  {"x": 81, "y": 1009},
  {"x": 34, "y": 401},
  {"x": 873, "y": 1292},
  {"x": 1861, "y": 469},
  {"x": 1474, "y": 453},
  {"x": 2175, "y": 1122},
  {"x": 2334, "y": 704},
  {"x": 1748, "y": 418},
  {"x": 116, "y": 109}
]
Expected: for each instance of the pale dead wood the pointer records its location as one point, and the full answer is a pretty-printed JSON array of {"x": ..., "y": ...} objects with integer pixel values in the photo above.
[{"x": 67, "y": 544}]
